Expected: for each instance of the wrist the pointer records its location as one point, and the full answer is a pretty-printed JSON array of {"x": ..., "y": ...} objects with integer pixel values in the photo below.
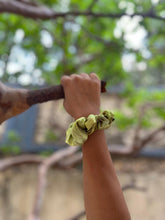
[{"x": 86, "y": 114}]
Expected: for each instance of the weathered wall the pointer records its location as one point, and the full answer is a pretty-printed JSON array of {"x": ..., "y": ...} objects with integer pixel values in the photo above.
[
  {"x": 64, "y": 195},
  {"x": 17, "y": 191}
]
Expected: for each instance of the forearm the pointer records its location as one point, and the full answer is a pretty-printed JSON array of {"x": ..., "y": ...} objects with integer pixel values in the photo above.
[
  {"x": 104, "y": 199},
  {"x": 102, "y": 192}
]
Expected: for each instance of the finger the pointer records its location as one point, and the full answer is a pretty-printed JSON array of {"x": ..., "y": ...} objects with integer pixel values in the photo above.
[
  {"x": 95, "y": 79},
  {"x": 94, "y": 76},
  {"x": 74, "y": 75},
  {"x": 64, "y": 80},
  {"x": 85, "y": 75}
]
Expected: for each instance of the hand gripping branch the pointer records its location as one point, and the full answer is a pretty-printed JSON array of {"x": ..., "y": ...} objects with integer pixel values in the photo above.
[{"x": 15, "y": 101}]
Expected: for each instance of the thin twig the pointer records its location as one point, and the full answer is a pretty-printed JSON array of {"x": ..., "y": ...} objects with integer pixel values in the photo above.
[
  {"x": 152, "y": 135},
  {"x": 19, "y": 160},
  {"x": 78, "y": 215},
  {"x": 92, "y": 5},
  {"x": 44, "y": 13},
  {"x": 138, "y": 142},
  {"x": 42, "y": 178},
  {"x": 136, "y": 139},
  {"x": 134, "y": 187}
]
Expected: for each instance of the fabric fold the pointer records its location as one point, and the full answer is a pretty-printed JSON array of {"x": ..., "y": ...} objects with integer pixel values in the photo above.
[{"x": 78, "y": 131}]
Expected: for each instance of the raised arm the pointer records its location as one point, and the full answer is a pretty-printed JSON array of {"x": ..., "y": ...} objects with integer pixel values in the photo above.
[{"x": 103, "y": 196}]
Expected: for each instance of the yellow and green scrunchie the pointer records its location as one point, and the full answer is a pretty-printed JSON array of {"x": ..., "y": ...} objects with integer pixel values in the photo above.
[{"x": 78, "y": 131}]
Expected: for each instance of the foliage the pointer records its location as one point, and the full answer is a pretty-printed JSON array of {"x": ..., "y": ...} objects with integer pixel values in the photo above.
[
  {"x": 149, "y": 104},
  {"x": 46, "y": 153},
  {"x": 50, "y": 136},
  {"x": 33, "y": 50},
  {"x": 127, "y": 51},
  {"x": 11, "y": 146}
]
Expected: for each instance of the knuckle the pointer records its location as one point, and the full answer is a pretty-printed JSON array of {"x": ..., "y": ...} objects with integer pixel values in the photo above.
[
  {"x": 73, "y": 75},
  {"x": 92, "y": 73},
  {"x": 76, "y": 78},
  {"x": 65, "y": 80},
  {"x": 96, "y": 83},
  {"x": 84, "y": 75},
  {"x": 94, "y": 76}
]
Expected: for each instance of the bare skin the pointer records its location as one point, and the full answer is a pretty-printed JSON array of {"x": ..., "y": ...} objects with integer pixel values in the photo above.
[{"x": 103, "y": 196}]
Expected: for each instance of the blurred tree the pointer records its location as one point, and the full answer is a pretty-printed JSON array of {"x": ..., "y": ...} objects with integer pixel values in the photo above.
[
  {"x": 42, "y": 40},
  {"x": 122, "y": 41}
]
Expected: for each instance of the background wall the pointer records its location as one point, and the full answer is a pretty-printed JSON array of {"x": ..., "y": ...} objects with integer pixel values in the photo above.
[{"x": 64, "y": 195}]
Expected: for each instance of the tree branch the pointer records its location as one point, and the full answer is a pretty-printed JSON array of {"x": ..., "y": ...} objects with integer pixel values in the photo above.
[
  {"x": 42, "y": 12},
  {"x": 17, "y": 101},
  {"x": 92, "y": 5},
  {"x": 97, "y": 38},
  {"x": 42, "y": 178},
  {"x": 69, "y": 162},
  {"x": 138, "y": 142},
  {"x": 152, "y": 135},
  {"x": 78, "y": 215},
  {"x": 75, "y": 158},
  {"x": 19, "y": 160},
  {"x": 25, "y": 9}
]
